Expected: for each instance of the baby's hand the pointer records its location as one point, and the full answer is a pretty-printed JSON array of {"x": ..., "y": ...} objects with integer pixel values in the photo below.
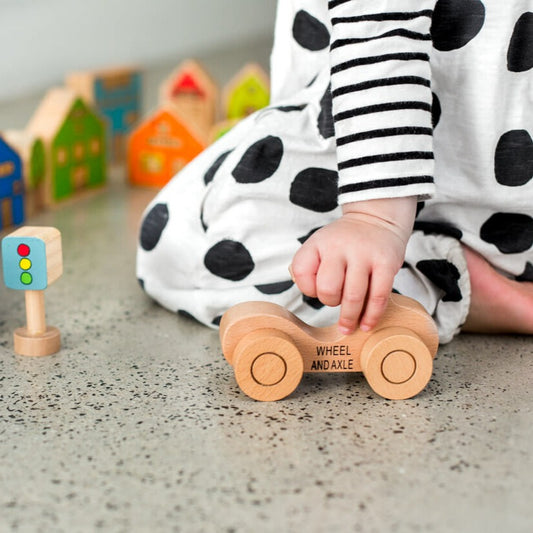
[{"x": 353, "y": 261}]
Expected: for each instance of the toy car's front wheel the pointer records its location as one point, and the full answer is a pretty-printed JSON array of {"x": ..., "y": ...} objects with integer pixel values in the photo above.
[
  {"x": 267, "y": 365},
  {"x": 396, "y": 363}
]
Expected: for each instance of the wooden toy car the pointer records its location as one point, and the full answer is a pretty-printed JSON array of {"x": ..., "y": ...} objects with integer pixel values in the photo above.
[{"x": 270, "y": 348}]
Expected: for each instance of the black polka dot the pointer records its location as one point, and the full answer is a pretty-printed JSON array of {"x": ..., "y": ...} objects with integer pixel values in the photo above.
[
  {"x": 259, "y": 161},
  {"x": 444, "y": 275},
  {"x": 315, "y": 303},
  {"x": 309, "y": 32},
  {"x": 153, "y": 225},
  {"x": 202, "y": 221},
  {"x": 187, "y": 315},
  {"x": 229, "y": 260},
  {"x": 305, "y": 237},
  {"x": 520, "y": 52},
  {"x": 315, "y": 189},
  {"x": 513, "y": 160},
  {"x": 511, "y": 233},
  {"x": 290, "y": 108},
  {"x": 436, "y": 110},
  {"x": 312, "y": 80},
  {"x": 212, "y": 170},
  {"x": 456, "y": 22},
  {"x": 527, "y": 275},
  {"x": 438, "y": 228},
  {"x": 216, "y": 320},
  {"x": 275, "y": 288},
  {"x": 325, "y": 117}
]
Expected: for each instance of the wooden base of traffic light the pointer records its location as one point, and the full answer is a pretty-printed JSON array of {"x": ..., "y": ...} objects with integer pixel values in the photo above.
[
  {"x": 36, "y": 339},
  {"x": 46, "y": 343}
]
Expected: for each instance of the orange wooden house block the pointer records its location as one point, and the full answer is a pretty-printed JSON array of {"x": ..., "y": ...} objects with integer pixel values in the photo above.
[
  {"x": 161, "y": 146},
  {"x": 192, "y": 91}
]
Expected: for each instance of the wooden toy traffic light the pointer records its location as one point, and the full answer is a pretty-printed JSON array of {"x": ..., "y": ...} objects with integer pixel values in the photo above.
[{"x": 32, "y": 260}]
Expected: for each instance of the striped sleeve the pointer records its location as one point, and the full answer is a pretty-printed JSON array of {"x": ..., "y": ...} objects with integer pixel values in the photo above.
[{"x": 381, "y": 97}]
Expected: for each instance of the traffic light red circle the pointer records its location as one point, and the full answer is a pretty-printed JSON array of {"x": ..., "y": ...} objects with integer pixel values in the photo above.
[{"x": 23, "y": 250}]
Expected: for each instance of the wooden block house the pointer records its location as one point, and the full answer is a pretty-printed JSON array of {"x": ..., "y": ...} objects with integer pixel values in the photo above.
[
  {"x": 74, "y": 138},
  {"x": 11, "y": 187},
  {"x": 192, "y": 91},
  {"x": 247, "y": 91},
  {"x": 32, "y": 153},
  {"x": 161, "y": 146},
  {"x": 116, "y": 94}
]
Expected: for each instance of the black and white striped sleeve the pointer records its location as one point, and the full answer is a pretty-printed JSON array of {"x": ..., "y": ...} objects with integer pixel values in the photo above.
[{"x": 381, "y": 97}]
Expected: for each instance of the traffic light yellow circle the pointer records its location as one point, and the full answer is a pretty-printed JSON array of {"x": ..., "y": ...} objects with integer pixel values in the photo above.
[{"x": 25, "y": 264}]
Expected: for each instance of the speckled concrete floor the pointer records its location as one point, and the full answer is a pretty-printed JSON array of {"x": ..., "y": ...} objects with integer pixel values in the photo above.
[{"x": 137, "y": 424}]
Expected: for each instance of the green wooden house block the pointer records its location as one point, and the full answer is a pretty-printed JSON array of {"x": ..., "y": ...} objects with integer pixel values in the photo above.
[
  {"x": 32, "y": 153},
  {"x": 246, "y": 93},
  {"x": 74, "y": 139}
]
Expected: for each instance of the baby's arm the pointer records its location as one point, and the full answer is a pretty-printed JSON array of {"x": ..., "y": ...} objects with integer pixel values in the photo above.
[
  {"x": 353, "y": 261},
  {"x": 381, "y": 109}
]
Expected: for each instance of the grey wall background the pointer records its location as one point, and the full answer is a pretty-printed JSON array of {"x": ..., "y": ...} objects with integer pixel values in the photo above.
[{"x": 41, "y": 40}]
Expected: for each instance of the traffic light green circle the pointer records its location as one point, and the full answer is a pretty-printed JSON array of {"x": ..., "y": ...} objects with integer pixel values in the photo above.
[{"x": 26, "y": 278}]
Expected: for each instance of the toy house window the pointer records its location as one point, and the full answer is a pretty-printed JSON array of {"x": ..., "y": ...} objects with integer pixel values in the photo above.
[
  {"x": 78, "y": 151},
  {"x": 6, "y": 169},
  {"x": 61, "y": 156},
  {"x": 95, "y": 146},
  {"x": 152, "y": 162},
  {"x": 18, "y": 188},
  {"x": 80, "y": 177}
]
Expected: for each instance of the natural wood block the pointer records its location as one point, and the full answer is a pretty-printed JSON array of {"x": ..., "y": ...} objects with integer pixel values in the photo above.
[
  {"x": 270, "y": 348},
  {"x": 46, "y": 343}
]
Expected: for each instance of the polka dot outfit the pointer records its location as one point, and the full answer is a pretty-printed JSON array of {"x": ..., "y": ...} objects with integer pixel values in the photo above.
[{"x": 408, "y": 97}]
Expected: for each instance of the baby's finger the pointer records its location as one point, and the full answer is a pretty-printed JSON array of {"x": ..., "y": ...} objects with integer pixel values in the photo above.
[
  {"x": 353, "y": 299},
  {"x": 330, "y": 281},
  {"x": 304, "y": 269},
  {"x": 378, "y": 297}
]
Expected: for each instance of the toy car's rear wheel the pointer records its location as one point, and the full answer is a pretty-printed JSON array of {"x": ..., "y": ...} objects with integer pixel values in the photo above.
[
  {"x": 267, "y": 365},
  {"x": 396, "y": 363}
]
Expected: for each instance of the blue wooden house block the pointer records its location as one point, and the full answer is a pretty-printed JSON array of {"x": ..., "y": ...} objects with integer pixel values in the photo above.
[{"x": 11, "y": 187}]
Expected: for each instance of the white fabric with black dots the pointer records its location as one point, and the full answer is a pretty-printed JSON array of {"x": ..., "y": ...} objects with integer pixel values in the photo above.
[{"x": 369, "y": 100}]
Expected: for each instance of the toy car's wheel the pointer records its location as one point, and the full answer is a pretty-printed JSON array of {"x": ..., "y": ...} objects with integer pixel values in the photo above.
[
  {"x": 396, "y": 363},
  {"x": 267, "y": 365}
]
